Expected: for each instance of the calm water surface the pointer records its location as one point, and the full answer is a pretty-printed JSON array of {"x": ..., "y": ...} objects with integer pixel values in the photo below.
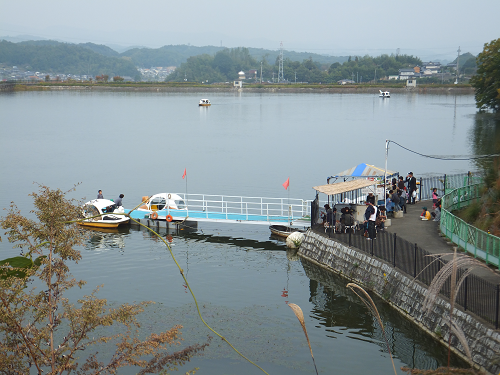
[{"x": 245, "y": 144}]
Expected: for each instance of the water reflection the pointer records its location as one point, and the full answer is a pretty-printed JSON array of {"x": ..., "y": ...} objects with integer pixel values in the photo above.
[
  {"x": 106, "y": 238},
  {"x": 172, "y": 235},
  {"x": 485, "y": 137},
  {"x": 336, "y": 307}
]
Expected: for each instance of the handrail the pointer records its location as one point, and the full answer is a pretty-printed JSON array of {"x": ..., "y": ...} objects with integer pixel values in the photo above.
[{"x": 479, "y": 243}]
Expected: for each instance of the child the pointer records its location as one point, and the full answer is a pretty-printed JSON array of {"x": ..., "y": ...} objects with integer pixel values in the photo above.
[
  {"x": 435, "y": 197},
  {"x": 425, "y": 215}
]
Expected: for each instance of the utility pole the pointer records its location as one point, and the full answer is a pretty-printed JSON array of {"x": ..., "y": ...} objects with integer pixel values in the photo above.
[
  {"x": 261, "y": 72},
  {"x": 281, "y": 76},
  {"x": 295, "y": 77},
  {"x": 458, "y": 57}
]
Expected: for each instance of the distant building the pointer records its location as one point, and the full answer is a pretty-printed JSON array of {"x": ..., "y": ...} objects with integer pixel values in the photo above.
[
  {"x": 345, "y": 82},
  {"x": 238, "y": 84},
  {"x": 241, "y": 75},
  {"x": 405, "y": 74},
  {"x": 411, "y": 82}
]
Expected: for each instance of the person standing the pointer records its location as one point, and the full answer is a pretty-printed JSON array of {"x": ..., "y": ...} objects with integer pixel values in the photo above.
[
  {"x": 401, "y": 183},
  {"x": 395, "y": 200},
  {"x": 402, "y": 199},
  {"x": 370, "y": 217},
  {"x": 118, "y": 201},
  {"x": 370, "y": 198},
  {"x": 412, "y": 187},
  {"x": 435, "y": 197},
  {"x": 99, "y": 195}
]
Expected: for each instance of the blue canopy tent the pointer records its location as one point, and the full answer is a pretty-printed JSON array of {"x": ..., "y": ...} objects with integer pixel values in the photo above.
[{"x": 363, "y": 170}]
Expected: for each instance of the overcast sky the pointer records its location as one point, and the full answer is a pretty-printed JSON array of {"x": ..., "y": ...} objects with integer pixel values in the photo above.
[{"x": 428, "y": 29}]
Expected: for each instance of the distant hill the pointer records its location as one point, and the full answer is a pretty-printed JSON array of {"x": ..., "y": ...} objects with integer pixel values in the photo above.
[
  {"x": 101, "y": 49},
  {"x": 175, "y": 55},
  {"x": 166, "y": 55},
  {"x": 49, "y": 56},
  {"x": 272, "y": 55}
]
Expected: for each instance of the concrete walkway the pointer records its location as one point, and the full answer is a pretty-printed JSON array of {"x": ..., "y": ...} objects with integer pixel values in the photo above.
[{"x": 427, "y": 235}]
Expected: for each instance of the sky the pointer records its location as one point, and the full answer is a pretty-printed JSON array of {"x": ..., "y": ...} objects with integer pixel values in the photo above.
[{"x": 427, "y": 29}]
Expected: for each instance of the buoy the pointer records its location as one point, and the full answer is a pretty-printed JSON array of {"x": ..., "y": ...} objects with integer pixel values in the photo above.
[
  {"x": 169, "y": 218},
  {"x": 294, "y": 240},
  {"x": 154, "y": 215}
]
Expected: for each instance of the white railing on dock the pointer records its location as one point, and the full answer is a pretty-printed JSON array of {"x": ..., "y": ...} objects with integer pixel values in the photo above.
[{"x": 248, "y": 206}]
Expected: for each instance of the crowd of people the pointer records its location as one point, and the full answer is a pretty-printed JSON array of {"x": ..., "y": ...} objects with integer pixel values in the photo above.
[{"x": 402, "y": 193}]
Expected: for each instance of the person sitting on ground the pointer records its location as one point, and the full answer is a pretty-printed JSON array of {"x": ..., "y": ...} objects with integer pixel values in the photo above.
[
  {"x": 437, "y": 211},
  {"x": 425, "y": 215}
]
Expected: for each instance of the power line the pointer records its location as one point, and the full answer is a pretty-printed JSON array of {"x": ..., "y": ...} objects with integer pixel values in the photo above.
[{"x": 447, "y": 157}]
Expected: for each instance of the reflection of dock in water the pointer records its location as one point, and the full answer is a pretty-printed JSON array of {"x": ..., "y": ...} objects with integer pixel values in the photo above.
[{"x": 341, "y": 311}]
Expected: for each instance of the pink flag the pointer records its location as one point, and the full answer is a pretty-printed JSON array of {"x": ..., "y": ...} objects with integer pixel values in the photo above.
[
  {"x": 287, "y": 183},
  {"x": 184, "y": 175}
]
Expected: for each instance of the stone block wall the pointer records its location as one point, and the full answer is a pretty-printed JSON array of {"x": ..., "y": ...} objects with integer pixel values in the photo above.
[{"x": 407, "y": 296}]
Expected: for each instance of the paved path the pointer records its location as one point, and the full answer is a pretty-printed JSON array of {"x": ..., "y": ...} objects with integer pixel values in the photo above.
[{"x": 427, "y": 235}]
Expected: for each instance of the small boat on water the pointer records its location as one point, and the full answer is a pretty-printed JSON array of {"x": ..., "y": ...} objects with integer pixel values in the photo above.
[
  {"x": 162, "y": 201},
  {"x": 384, "y": 94},
  {"x": 283, "y": 230},
  {"x": 204, "y": 103},
  {"x": 100, "y": 214}
]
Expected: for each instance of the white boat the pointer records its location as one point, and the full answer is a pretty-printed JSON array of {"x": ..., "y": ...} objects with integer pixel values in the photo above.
[
  {"x": 100, "y": 214},
  {"x": 384, "y": 94},
  {"x": 161, "y": 201},
  {"x": 204, "y": 103}
]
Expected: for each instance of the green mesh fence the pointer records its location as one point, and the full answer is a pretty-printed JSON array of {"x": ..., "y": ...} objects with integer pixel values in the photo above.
[{"x": 475, "y": 241}]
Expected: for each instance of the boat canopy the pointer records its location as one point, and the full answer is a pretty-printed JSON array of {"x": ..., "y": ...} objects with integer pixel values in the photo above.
[{"x": 343, "y": 187}]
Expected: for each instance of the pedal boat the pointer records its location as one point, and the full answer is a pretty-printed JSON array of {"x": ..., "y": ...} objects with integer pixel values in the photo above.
[{"x": 100, "y": 214}]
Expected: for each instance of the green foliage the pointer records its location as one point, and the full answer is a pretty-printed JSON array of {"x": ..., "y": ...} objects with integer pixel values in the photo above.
[
  {"x": 40, "y": 330},
  {"x": 487, "y": 79},
  {"x": 55, "y": 57},
  {"x": 166, "y": 55},
  {"x": 227, "y": 63}
]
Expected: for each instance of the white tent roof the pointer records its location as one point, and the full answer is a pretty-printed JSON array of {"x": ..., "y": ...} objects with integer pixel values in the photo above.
[{"x": 343, "y": 187}]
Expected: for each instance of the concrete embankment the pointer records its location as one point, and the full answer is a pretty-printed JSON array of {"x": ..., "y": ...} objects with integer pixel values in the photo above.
[
  {"x": 406, "y": 295},
  {"x": 428, "y": 89}
]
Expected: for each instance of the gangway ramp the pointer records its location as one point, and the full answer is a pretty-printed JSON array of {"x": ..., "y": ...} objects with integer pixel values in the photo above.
[{"x": 233, "y": 209}]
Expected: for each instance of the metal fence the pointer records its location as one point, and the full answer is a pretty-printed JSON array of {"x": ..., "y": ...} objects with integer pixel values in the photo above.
[
  {"x": 445, "y": 183},
  {"x": 473, "y": 240},
  {"x": 476, "y": 294}
]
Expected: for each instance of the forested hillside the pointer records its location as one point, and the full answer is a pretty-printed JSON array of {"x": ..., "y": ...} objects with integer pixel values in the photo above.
[
  {"x": 55, "y": 57},
  {"x": 226, "y": 64}
]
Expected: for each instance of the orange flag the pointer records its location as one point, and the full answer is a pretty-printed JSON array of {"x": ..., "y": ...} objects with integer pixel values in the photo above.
[
  {"x": 287, "y": 183},
  {"x": 184, "y": 175}
]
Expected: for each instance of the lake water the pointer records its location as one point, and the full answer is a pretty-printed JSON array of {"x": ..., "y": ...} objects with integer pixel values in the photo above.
[{"x": 244, "y": 144}]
